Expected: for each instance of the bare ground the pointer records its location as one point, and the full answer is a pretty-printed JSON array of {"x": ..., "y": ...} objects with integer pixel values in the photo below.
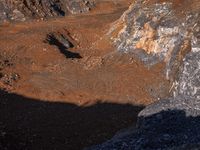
[{"x": 87, "y": 99}]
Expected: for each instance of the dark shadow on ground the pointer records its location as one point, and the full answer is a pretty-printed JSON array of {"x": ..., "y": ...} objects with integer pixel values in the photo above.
[
  {"x": 63, "y": 45},
  {"x": 35, "y": 125},
  {"x": 170, "y": 129}
]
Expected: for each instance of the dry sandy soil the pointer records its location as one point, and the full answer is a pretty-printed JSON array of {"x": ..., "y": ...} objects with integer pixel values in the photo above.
[{"x": 89, "y": 86}]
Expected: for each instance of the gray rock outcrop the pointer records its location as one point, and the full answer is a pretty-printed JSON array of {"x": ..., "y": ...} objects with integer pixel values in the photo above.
[
  {"x": 165, "y": 125},
  {"x": 155, "y": 32},
  {"x": 169, "y": 124}
]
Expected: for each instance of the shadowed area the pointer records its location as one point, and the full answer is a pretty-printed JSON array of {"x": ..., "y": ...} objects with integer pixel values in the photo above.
[
  {"x": 29, "y": 124},
  {"x": 58, "y": 9},
  {"x": 171, "y": 129}
]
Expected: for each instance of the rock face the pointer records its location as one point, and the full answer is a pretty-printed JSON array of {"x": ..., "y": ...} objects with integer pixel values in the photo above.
[
  {"x": 189, "y": 80},
  {"x": 3, "y": 10},
  {"x": 167, "y": 124},
  {"x": 79, "y": 6},
  {"x": 20, "y": 10},
  {"x": 159, "y": 31}
]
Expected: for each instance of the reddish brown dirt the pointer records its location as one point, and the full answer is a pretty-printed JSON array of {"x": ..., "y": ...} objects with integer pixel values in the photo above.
[
  {"x": 36, "y": 70},
  {"x": 102, "y": 73}
]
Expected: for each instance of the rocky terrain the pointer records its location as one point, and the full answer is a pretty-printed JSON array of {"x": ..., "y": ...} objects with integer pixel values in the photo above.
[
  {"x": 157, "y": 28},
  {"x": 74, "y": 74},
  {"x": 155, "y": 32},
  {"x": 20, "y": 10}
]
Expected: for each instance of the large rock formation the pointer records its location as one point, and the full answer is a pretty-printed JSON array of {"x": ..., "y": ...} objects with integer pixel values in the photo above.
[
  {"x": 165, "y": 125},
  {"x": 166, "y": 31},
  {"x": 158, "y": 31},
  {"x": 168, "y": 124},
  {"x": 20, "y": 10}
]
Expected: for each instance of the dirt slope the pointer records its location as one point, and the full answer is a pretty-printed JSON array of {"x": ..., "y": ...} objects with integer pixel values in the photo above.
[{"x": 101, "y": 73}]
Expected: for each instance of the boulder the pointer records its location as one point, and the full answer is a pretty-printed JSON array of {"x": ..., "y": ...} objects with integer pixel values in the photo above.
[{"x": 168, "y": 124}]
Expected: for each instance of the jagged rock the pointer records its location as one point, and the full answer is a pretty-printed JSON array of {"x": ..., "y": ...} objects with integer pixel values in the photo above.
[
  {"x": 20, "y": 10},
  {"x": 157, "y": 32},
  {"x": 168, "y": 124},
  {"x": 188, "y": 83},
  {"x": 165, "y": 125}
]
